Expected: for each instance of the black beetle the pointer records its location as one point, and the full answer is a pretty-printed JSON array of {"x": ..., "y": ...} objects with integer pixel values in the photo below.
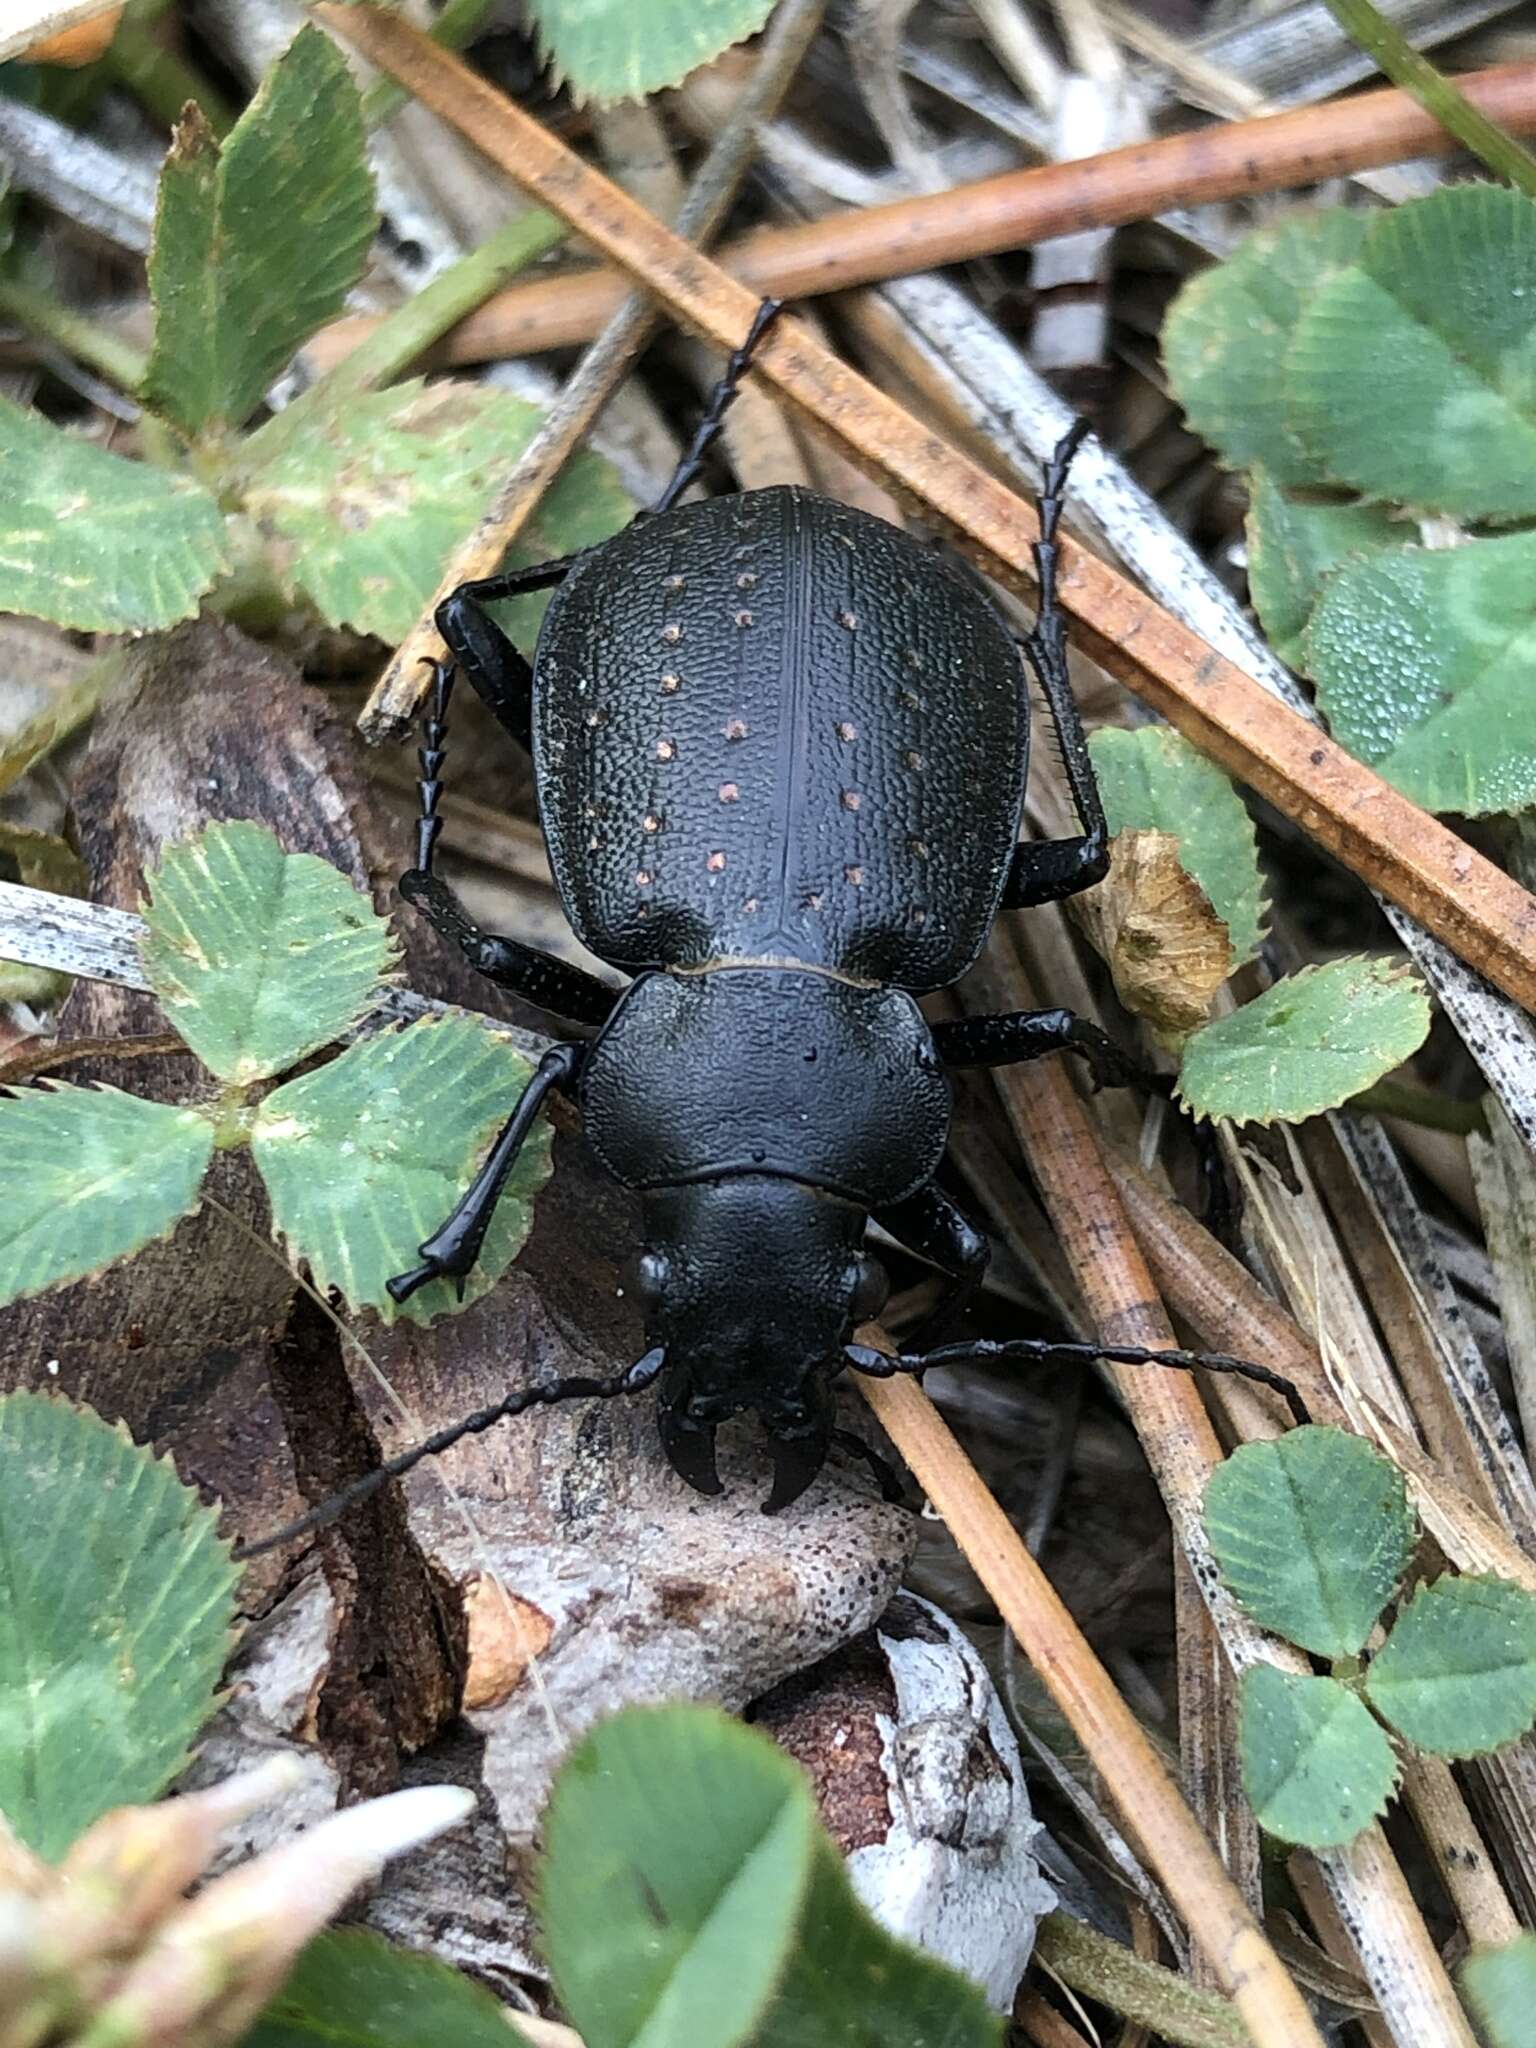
[{"x": 780, "y": 749}]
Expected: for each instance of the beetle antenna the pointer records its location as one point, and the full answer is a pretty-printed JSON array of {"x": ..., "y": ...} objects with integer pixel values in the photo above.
[
  {"x": 1046, "y": 1351},
  {"x": 632, "y": 1380}
]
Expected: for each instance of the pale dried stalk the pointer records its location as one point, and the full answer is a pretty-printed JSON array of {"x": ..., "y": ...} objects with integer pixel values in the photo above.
[
  {"x": 1506, "y": 1195},
  {"x": 599, "y": 373},
  {"x": 1175, "y": 1844},
  {"x": 1299, "y": 52},
  {"x": 40, "y": 929},
  {"x": 1021, "y": 50},
  {"x": 1454, "y": 1398},
  {"x": 1461, "y": 1855},
  {"x": 98, "y": 187},
  {"x": 1400, "y": 1959}
]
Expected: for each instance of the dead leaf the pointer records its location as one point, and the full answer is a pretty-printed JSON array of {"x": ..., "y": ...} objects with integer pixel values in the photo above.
[{"x": 1164, "y": 945}]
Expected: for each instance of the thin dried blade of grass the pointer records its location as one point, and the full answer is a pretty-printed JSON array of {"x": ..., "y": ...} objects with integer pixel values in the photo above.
[
  {"x": 1454, "y": 1397},
  {"x": 1506, "y": 1194},
  {"x": 1300, "y": 52},
  {"x": 1400, "y": 1958},
  {"x": 994, "y": 216}
]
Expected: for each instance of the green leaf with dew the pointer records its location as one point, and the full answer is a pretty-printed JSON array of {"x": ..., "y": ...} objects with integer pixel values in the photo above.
[
  {"x": 91, "y": 1175},
  {"x": 689, "y": 1893},
  {"x": 1457, "y": 1675},
  {"x": 1411, "y": 374},
  {"x": 259, "y": 956},
  {"x": 116, "y": 1603},
  {"x": 1294, "y": 545},
  {"x": 1317, "y": 1769},
  {"x": 1226, "y": 334},
  {"x": 257, "y": 242},
  {"x": 366, "y": 1157},
  {"x": 1305, "y": 1045},
  {"x": 95, "y": 542},
  {"x": 1153, "y": 780},
  {"x": 1313, "y": 1534},
  {"x": 365, "y": 503},
  {"x": 612, "y": 50},
  {"x": 1425, "y": 664}
]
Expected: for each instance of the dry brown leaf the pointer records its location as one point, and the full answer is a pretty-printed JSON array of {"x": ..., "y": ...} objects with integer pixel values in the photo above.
[
  {"x": 1153, "y": 924},
  {"x": 81, "y": 44}
]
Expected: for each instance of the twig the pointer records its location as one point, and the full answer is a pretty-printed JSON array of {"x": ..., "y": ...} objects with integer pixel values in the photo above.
[
  {"x": 1042, "y": 2023},
  {"x": 1217, "y": 1296},
  {"x": 454, "y": 24},
  {"x": 1171, "y": 1838},
  {"x": 1384, "y": 42},
  {"x": 996, "y": 215},
  {"x": 600, "y": 370},
  {"x": 1350, "y": 811},
  {"x": 1400, "y": 1959}
]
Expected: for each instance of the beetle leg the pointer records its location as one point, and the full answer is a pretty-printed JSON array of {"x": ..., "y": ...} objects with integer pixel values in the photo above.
[
  {"x": 936, "y": 1228},
  {"x": 538, "y": 977},
  {"x": 1044, "y": 871},
  {"x": 1015, "y": 1036},
  {"x": 1019, "y": 1035},
  {"x": 451, "y": 1252},
  {"x": 709, "y": 426},
  {"x": 500, "y": 672}
]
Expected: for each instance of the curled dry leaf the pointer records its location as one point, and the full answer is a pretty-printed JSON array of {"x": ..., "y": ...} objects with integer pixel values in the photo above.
[{"x": 1164, "y": 945}]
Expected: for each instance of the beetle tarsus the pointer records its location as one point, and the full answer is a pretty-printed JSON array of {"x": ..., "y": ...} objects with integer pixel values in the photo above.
[{"x": 720, "y": 401}]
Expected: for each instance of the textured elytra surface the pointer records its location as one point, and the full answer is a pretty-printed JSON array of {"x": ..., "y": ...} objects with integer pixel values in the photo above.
[{"x": 773, "y": 725}]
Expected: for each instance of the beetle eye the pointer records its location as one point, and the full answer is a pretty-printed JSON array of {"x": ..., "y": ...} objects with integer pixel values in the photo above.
[
  {"x": 650, "y": 1277},
  {"x": 871, "y": 1290}
]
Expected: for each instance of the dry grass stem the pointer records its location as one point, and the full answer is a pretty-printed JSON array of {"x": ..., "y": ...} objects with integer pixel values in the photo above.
[{"x": 993, "y": 216}]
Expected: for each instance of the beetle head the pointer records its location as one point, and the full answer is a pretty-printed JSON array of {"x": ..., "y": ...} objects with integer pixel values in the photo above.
[{"x": 753, "y": 1285}]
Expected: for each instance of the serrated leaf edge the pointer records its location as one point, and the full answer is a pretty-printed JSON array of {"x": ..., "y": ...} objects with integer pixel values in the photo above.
[
  {"x": 1424, "y": 1587},
  {"x": 390, "y": 973},
  {"x": 390, "y": 1312},
  {"x": 54, "y": 1397},
  {"x": 54, "y": 1087},
  {"x": 638, "y": 90},
  {"x": 1394, "y": 1748},
  {"x": 1390, "y": 972}
]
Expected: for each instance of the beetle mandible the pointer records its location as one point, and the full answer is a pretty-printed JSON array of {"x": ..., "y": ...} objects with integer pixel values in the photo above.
[{"x": 780, "y": 751}]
